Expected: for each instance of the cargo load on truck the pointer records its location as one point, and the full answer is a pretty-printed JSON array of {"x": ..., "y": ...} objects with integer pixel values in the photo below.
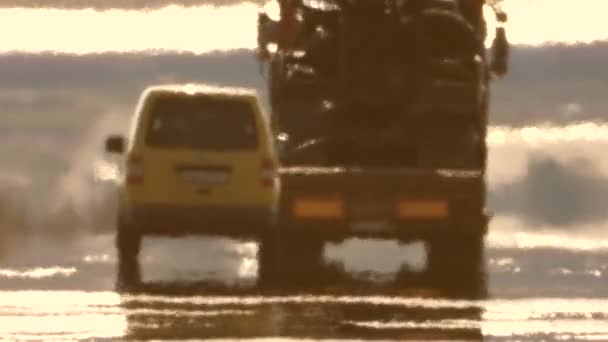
[{"x": 392, "y": 82}]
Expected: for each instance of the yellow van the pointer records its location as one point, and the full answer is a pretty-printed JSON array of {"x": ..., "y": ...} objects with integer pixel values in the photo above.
[{"x": 199, "y": 159}]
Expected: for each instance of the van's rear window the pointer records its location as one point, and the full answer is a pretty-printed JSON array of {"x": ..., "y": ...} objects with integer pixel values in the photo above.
[{"x": 201, "y": 123}]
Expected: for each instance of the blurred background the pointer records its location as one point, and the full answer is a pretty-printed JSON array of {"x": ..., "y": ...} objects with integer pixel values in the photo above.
[{"x": 71, "y": 73}]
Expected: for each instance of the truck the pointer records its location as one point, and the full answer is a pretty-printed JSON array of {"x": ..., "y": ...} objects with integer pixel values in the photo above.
[{"x": 381, "y": 112}]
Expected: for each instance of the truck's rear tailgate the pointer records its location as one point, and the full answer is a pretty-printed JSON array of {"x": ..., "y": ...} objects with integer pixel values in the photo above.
[{"x": 382, "y": 201}]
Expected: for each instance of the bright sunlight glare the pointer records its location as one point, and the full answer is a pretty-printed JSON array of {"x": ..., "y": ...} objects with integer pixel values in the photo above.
[{"x": 206, "y": 28}]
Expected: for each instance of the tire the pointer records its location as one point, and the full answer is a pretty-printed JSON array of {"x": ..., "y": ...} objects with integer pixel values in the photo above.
[
  {"x": 128, "y": 245},
  {"x": 291, "y": 262},
  {"x": 269, "y": 273},
  {"x": 456, "y": 261},
  {"x": 302, "y": 260}
]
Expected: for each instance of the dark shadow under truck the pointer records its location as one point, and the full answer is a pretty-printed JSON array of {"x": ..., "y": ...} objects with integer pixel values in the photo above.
[{"x": 381, "y": 109}]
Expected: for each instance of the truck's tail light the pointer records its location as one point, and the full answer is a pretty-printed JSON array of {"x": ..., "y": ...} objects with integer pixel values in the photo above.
[
  {"x": 134, "y": 170},
  {"x": 319, "y": 207},
  {"x": 422, "y": 209},
  {"x": 268, "y": 173}
]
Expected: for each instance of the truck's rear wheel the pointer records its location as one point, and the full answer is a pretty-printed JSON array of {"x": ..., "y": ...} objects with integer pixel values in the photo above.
[
  {"x": 128, "y": 245},
  {"x": 302, "y": 259},
  {"x": 456, "y": 262},
  {"x": 291, "y": 261}
]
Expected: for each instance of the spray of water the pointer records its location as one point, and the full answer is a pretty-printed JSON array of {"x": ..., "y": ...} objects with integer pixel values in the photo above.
[{"x": 82, "y": 198}]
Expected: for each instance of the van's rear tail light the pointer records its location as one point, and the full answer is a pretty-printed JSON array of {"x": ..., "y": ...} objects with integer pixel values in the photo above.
[
  {"x": 135, "y": 170},
  {"x": 268, "y": 173}
]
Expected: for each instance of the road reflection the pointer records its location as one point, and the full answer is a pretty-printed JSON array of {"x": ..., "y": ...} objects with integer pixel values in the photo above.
[
  {"x": 306, "y": 316},
  {"x": 412, "y": 306}
]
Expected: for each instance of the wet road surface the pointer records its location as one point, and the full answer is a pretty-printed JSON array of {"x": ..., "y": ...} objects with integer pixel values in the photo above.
[{"x": 199, "y": 289}]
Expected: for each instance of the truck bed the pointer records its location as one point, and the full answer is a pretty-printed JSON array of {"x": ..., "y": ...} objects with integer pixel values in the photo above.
[{"x": 406, "y": 203}]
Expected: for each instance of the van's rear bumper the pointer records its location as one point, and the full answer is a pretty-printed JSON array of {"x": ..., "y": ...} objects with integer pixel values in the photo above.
[{"x": 212, "y": 220}]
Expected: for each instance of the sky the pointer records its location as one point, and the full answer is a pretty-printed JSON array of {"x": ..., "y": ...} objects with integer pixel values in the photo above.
[{"x": 201, "y": 29}]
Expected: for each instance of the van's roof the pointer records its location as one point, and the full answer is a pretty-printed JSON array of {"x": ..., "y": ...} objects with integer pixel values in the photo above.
[{"x": 199, "y": 89}]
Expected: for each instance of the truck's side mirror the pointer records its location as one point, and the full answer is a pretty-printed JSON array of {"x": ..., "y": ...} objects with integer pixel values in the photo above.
[
  {"x": 502, "y": 17},
  {"x": 115, "y": 144},
  {"x": 500, "y": 53}
]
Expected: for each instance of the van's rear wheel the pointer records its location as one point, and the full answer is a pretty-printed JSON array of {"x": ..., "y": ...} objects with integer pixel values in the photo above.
[
  {"x": 269, "y": 273},
  {"x": 128, "y": 245}
]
